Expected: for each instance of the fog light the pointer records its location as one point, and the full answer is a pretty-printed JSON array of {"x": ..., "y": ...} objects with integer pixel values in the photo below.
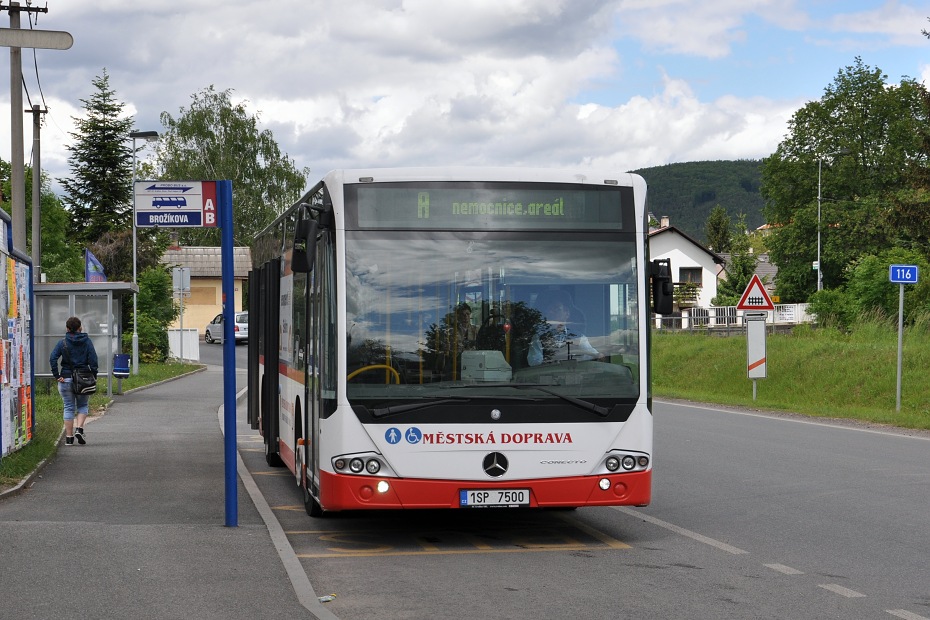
[
  {"x": 356, "y": 466},
  {"x": 628, "y": 462},
  {"x": 612, "y": 463},
  {"x": 643, "y": 461},
  {"x": 604, "y": 484},
  {"x": 373, "y": 466},
  {"x": 340, "y": 463},
  {"x": 383, "y": 486}
]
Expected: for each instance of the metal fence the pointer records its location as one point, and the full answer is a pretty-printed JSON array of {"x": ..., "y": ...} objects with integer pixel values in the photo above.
[{"x": 726, "y": 319}]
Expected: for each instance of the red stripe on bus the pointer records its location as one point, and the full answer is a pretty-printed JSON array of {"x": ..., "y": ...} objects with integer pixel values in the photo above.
[{"x": 342, "y": 492}]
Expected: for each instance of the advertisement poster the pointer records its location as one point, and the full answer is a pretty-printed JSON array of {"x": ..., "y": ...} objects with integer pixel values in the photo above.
[{"x": 16, "y": 407}]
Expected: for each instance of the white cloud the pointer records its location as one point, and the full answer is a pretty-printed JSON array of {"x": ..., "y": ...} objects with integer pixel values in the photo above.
[
  {"x": 704, "y": 29},
  {"x": 896, "y": 23},
  {"x": 414, "y": 82}
]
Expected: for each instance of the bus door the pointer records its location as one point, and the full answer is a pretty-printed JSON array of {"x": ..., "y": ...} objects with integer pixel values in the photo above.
[
  {"x": 270, "y": 347},
  {"x": 319, "y": 363},
  {"x": 255, "y": 309}
]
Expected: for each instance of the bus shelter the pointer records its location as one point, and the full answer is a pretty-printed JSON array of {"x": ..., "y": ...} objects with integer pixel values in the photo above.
[{"x": 97, "y": 304}]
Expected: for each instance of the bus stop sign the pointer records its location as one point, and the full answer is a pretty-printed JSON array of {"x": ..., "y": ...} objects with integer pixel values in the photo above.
[{"x": 173, "y": 204}]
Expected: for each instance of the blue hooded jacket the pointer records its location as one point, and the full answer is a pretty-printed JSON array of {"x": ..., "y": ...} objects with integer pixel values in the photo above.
[{"x": 81, "y": 351}]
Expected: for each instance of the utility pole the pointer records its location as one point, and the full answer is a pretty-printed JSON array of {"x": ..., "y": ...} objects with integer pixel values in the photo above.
[
  {"x": 36, "y": 192},
  {"x": 17, "y": 172},
  {"x": 16, "y": 39}
]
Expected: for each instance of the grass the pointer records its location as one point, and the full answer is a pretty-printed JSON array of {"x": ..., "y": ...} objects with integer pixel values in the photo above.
[
  {"x": 48, "y": 410},
  {"x": 817, "y": 372}
]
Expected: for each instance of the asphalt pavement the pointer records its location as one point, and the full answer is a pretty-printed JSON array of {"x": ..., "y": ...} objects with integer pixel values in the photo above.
[{"x": 132, "y": 525}]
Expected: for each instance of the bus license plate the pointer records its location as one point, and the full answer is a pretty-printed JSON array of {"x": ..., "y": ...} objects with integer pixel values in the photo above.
[{"x": 476, "y": 498}]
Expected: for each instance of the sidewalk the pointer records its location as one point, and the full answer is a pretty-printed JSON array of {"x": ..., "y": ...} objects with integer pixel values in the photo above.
[{"x": 131, "y": 525}]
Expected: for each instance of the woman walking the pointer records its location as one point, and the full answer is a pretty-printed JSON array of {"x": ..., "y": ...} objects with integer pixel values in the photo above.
[{"x": 76, "y": 351}]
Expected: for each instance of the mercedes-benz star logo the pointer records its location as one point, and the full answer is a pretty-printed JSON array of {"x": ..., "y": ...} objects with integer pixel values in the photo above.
[{"x": 495, "y": 464}]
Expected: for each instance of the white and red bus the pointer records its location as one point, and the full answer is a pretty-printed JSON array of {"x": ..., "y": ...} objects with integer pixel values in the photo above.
[{"x": 456, "y": 337}]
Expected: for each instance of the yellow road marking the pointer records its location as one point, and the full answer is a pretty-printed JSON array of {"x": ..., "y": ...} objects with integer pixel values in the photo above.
[
  {"x": 368, "y": 542},
  {"x": 368, "y": 554},
  {"x": 610, "y": 541}
]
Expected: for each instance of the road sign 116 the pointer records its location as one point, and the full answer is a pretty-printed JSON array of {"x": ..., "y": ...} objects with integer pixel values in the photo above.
[{"x": 902, "y": 274}]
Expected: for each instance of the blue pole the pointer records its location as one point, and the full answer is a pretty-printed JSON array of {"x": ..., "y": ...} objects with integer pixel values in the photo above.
[{"x": 225, "y": 206}]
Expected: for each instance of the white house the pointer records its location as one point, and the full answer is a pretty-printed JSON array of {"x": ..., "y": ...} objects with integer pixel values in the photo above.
[{"x": 691, "y": 261}]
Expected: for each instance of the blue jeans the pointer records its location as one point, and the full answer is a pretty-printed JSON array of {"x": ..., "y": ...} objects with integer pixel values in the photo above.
[{"x": 74, "y": 403}]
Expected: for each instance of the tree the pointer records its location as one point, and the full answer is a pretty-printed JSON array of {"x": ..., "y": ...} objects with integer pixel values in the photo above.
[
  {"x": 61, "y": 261},
  {"x": 215, "y": 139},
  {"x": 155, "y": 287},
  {"x": 99, "y": 192},
  {"x": 717, "y": 230},
  {"x": 740, "y": 269},
  {"x": 114, "y": 251},
  {"x": 863, "y": 135},
  {"x": 868, "y": 292}
]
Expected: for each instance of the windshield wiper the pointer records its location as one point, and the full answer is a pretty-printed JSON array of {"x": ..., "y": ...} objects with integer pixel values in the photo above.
[
  {"x": 380, "y": 412},
  {"x": 386, "y": 411},
  {"x": 543, "y": 387}
]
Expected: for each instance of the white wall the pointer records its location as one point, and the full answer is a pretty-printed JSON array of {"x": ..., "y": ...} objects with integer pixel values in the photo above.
[{"x": 684, "y": 253}]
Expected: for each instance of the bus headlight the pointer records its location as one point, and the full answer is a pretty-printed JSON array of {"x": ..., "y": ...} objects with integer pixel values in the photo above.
[
  {"x": 339, "y": 464},
  {"x": 373, "y": 466},
  {"x": 612, "y": 463},
  {"x": 643, "y": 461},
  {"x": 628, "y": 462},
  {"x": 356, "y": 466}
]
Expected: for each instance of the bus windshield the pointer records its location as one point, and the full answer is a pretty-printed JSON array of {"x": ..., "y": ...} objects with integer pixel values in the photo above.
[{"x": 496, "y": 311}]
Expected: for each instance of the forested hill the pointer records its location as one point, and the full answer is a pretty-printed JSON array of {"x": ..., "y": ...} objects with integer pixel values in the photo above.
[{"x": 687, "y": 192}]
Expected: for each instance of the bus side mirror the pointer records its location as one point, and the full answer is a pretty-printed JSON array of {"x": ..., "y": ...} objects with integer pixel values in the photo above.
[
  {"x": 663, "y": 292},
  {"x": 304, "y": 246}
]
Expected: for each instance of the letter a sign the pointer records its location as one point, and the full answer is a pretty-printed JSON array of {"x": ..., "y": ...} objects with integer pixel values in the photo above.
[{"x": 755, "y": 297}]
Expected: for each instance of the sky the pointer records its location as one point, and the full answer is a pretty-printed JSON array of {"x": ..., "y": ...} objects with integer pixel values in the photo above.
[{"x": 606, "y": 84}]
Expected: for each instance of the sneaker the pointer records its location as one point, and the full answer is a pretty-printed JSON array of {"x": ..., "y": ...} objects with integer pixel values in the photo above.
[
  {"x": 69, "y": 441},
  {"x": 79, "y": 434}
]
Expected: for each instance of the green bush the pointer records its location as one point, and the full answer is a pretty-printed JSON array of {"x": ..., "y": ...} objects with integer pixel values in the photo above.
[
  {"x": 153, "y": 340},
  {"x": 157, "y": 310},
  {"x": 869, "y": 296},
  {"x": 832, "y": 309}
]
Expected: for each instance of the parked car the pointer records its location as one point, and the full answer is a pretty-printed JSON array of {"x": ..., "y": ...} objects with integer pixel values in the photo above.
[{"x": 214, "y": 330}]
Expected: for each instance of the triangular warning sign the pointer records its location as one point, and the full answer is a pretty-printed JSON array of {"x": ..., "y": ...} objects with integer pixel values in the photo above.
[{"x": 755, "y": 297}]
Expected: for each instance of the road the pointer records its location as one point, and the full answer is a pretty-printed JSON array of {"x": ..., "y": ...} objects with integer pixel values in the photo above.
[{"x": 753, "y": 516}]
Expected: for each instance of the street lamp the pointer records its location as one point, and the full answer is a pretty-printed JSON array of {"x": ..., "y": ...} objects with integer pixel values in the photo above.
[
  {"x": 148, "y": 136},
  {"x": 819, "y": 200}
]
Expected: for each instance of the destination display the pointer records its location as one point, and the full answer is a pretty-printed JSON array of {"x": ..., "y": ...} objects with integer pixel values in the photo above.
[{"x": 488, "y": 205}]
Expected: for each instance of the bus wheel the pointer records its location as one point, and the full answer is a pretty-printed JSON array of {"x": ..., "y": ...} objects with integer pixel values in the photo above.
[{"x": 312, "y": 506}]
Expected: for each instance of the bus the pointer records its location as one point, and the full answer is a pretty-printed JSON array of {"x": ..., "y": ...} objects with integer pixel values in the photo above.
[{"x": 458, "y": 338}]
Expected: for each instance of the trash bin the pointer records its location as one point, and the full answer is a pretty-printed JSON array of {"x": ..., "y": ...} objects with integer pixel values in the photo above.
[{"x": 121, "y": 365}]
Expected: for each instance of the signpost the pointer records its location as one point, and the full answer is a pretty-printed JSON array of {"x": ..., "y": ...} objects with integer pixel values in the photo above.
[
  {"x": 755, "y": 304},
  {"x": 901, "y": 274},
  {"x": 38, "y": 39},
  {"x": 179, "y": 204},
  {"x": 181, "y": 277}
]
